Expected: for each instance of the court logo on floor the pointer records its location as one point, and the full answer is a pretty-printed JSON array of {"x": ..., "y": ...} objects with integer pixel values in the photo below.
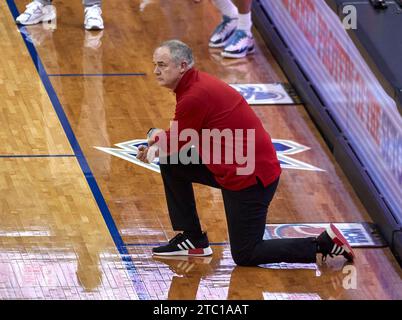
[
  {"x": 284, "y": 148},
  {"x": 267, "y": 93},
  {"x": 362, "y": 234}
]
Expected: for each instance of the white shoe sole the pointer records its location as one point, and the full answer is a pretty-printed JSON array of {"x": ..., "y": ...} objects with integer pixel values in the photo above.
[
  {"x": 226, "y": 54},
  {"x": 94, "y": 27},
  {"x": 213, "y": 45},
  {"x": 191, "y": 252},
  {"x": 218, "y": 45},
  {"x": 204, "y": 260}
]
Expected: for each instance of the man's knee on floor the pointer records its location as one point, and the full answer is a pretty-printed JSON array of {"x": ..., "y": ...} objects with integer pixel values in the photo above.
[{"x": 243, "y": 258}]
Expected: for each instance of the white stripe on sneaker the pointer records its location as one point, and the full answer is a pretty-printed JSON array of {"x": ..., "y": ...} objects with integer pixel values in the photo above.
[
  {"x": 337, "y": 250},
  {"x": 190, "y": 244},
  {"x": 180, "y": 246}
]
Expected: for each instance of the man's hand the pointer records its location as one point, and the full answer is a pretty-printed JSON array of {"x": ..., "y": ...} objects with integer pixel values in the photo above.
[
  {"x": 147, "y": 154},
  {"x": 153, "y": 152},
  {"x": 142, "y": 153}
]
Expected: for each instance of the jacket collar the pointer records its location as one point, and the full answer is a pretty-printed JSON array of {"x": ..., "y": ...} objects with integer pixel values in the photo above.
[{"x": 186, "y": 81}]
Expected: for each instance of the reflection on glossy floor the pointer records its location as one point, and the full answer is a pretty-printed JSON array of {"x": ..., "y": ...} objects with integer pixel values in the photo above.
[{"x": 63, "y": 238}]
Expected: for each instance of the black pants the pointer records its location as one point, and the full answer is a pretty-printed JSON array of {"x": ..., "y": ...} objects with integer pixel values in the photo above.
[{"x": 246, "y": 212}]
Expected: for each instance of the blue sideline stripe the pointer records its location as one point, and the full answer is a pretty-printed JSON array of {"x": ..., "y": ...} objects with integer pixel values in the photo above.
[
  {"x": 96, "y": 74},
  {"x": 139, "y": 286},
  {"x": 38, "y": 156}
]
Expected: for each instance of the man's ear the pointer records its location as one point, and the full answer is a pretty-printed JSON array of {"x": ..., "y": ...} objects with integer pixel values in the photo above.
[{"x": 184, "y": 67}]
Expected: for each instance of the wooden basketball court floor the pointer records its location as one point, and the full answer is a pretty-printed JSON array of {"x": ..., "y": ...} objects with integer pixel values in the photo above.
[{"x": 77, "y": 223}]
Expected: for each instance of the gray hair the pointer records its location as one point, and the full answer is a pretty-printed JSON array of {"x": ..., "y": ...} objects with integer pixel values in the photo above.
[{"x": 179, "y": 52}]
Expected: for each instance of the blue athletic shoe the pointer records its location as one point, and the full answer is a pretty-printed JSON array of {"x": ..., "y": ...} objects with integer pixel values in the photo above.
[
  {"x": 223, "y": 32},
  {"x": 239, "y": 45}
]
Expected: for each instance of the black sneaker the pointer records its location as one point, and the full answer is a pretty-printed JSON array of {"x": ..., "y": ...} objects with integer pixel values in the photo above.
[
  {"x": 181, "y": 245},
  {"x": 331, "y": 242}
]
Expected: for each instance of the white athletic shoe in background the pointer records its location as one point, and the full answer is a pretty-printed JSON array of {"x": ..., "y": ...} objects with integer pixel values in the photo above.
[
  {"x": 144, "y": 4},
  {"x": 36, "y": 12},
  {"x": 93, "y": 18},
  {"x": 223, "y": 32},
  {"x": 239, "y": 45}
]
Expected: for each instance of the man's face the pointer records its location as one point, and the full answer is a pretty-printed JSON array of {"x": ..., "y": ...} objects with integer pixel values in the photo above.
[{"x": 168, "y": 74}]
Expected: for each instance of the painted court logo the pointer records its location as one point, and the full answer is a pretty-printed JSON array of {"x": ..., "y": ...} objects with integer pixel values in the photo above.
[
  {"x": 256, "y": 94},
  {"x": 284, "y": 148}
]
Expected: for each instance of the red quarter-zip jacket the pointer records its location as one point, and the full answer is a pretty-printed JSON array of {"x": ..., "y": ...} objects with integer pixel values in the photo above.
[{"x": 205, "y": 103}]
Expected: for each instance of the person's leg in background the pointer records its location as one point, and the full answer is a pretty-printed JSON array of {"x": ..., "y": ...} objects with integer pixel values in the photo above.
[
  {"x": 93, "y": 15},
  {"x": 241, "y": 43},
  {"x": 228, "y": 25},
  {"x": 244, "y": 8}
]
